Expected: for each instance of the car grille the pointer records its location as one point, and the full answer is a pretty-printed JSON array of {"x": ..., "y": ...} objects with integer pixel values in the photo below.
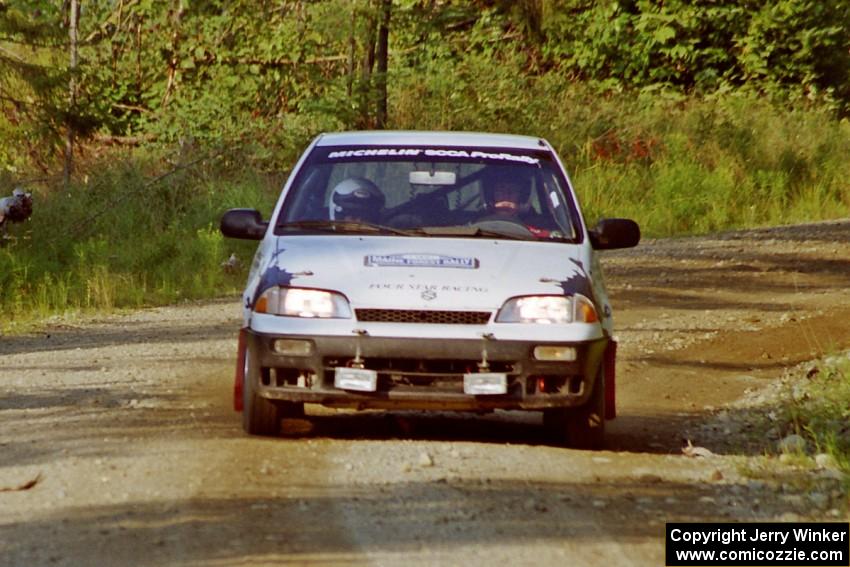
[{"x": 423, "y": 316}]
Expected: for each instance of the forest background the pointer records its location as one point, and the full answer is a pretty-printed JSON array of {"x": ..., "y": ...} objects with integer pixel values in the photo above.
[{"x": 136, "y": 123}]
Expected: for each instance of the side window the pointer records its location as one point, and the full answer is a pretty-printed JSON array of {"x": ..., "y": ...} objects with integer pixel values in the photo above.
[
  {"x": 552, "y": 200},
  {"x": 308, "y": 202}
]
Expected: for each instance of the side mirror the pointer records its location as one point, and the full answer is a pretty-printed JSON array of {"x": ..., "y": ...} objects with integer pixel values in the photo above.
[
  {"x": 243, "y": 223},
  {"x": 610, "y": 234}
]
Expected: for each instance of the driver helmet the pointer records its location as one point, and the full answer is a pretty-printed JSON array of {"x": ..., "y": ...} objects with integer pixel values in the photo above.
[
  {"x": 506, "y": 191},
  {"x": 356, "y": 198}
]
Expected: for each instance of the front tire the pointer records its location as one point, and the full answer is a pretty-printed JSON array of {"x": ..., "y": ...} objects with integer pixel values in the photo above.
[
  {"x": 259, "y": 415},
  {"x": 582, "y": 427}
]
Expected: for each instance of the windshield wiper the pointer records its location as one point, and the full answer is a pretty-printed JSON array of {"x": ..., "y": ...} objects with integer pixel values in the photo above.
[
  {"x": 476, "y": 231},
  {"x": 346, "y": 227}
]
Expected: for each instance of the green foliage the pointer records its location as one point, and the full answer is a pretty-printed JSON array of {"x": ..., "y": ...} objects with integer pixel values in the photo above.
[
  {"x": 263, "y": 74},
  {"x": 29, "y": 83},
  {"x": 801, "y": 47},
  {"x": 125, "y": 240},
  {"x": 791, "y": 50}
]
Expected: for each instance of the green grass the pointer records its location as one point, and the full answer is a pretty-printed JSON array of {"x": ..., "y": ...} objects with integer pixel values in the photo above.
[
  {"x": 820, "y": 412},
  {"x": 817, "y": 408},
  {"x": 123, "y": 240}
]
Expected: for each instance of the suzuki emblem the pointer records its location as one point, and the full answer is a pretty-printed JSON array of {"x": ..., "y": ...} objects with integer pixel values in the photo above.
[{"x": 429, "y": 294}]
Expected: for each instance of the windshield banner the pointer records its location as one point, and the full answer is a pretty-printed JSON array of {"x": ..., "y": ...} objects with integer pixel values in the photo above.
[{"x": 433, "y": 152}]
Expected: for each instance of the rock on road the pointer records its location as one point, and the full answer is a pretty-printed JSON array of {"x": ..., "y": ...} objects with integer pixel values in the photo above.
[{"x": 119, "y": 445}]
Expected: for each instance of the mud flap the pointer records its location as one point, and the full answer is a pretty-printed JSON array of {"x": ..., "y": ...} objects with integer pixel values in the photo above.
[
  {"x": 610, "y": 375},
  {"x": 239, "y": 380}
]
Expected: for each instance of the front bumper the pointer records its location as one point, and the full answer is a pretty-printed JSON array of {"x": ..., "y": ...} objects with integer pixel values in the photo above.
[{"x": 416, "y": 373}]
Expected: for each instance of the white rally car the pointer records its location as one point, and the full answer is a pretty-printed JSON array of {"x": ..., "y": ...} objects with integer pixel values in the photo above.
[{"x": 428, "y": 270}]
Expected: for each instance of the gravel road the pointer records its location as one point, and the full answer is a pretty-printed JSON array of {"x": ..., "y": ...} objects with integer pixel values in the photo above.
[{"x": 119, "y": 445}]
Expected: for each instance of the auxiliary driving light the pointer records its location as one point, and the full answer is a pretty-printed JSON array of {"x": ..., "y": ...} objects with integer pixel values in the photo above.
[
  {"x": 555, "y": 353},
  {"x": 292, "y": 347}
]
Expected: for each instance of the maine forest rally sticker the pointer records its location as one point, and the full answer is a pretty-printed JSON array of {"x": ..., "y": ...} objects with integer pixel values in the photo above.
[{"x": 420, "y": 261}]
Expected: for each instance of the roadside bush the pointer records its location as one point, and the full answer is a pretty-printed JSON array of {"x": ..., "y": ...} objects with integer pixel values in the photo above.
[
  {"x": 788, "y": 50},
  {"x": 126, "y": 240}
]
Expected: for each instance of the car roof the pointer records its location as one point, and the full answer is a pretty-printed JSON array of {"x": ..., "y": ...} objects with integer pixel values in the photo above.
[{"x": 431, "y": 138}]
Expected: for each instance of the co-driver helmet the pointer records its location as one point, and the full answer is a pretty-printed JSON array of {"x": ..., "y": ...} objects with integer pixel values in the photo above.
[{"x": 497, "y": 176}]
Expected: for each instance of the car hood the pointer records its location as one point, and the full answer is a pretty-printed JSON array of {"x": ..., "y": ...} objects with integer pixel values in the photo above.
[{"x": 425, "y": 273}]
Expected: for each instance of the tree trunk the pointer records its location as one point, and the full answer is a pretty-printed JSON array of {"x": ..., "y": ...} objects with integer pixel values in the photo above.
[
  {"x": 352, "y": 47},
  {"x": 139, "y": 85},
  {"x": 175, "y": 58},
  {"x": 368, "y": 64},
  {"x": 382, "y": 55},
  {"x": 531, "y": 13},
  {"x": 72, "y": 88}
]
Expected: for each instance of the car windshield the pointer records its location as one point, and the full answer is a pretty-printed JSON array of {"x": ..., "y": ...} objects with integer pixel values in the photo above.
[{"x": 419, "y": 191}]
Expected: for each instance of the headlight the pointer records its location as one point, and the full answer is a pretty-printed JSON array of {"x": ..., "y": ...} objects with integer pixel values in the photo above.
[
  {"x": 548, "y": 309},
  {"x": 296, "y": 302}
]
